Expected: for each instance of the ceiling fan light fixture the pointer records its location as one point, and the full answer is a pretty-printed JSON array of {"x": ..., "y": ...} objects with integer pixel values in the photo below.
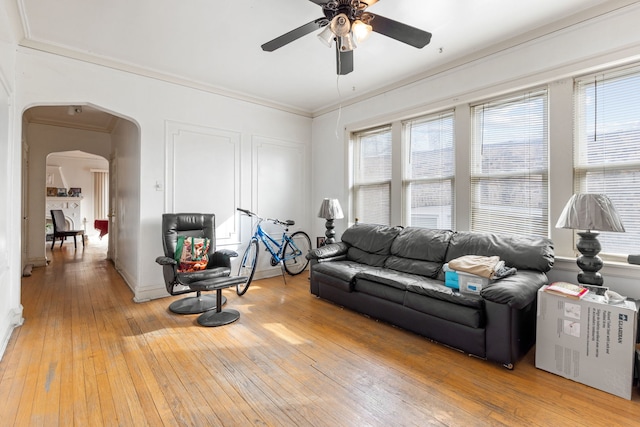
[
  {"x": 340, "y": 25},
  {"x": 346, "y": 43},
  {"x": 326, "y": 36},
  {"x": 361, "y": 30}
]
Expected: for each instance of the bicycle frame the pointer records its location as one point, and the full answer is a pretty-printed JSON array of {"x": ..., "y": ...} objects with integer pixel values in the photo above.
[
  {"x": 284, "y": 251},
  {"x": 271, "y": 243}
]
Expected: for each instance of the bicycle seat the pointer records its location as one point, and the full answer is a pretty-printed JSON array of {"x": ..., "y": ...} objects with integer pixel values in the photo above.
[{"x": 290, "y": 222}]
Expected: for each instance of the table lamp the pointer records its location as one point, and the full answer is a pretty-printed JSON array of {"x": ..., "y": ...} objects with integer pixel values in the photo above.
[
  {"x": 590, "y": 212},
  {"x": 330, "y": 210}
]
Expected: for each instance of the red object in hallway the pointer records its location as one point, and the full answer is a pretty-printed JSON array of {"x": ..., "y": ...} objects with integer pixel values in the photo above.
[{"x": 102, "y": 225}]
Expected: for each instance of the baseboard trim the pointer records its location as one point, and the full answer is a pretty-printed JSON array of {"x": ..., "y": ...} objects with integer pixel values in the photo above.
[{"x": 15, "y": 319}]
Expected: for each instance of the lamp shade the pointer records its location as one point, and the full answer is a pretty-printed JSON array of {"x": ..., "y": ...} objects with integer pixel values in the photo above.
[
  {"x": 326, "y": 36},
  {"x": 330, "y": 209},
  {"x": 590, "y": 212}
]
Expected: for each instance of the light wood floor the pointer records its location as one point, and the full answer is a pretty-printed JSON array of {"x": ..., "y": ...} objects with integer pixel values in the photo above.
[{"x": 89, "y": 356}]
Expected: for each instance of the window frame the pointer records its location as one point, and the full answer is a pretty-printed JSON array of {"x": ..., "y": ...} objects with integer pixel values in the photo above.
[
  {"x": 585, "y": 167},
  {"x": 356, "y": 163},
  {"x": 510, "y": 221},
  {"x": 408, "y": 180}
]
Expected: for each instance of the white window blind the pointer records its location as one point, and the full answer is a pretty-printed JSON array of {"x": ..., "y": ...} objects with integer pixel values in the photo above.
[
  {"x": 429, "y": 175},
  {"x": 372, "y": 176},
  {"x": 509, "y": 172},
  {"x": 607, "y": 149}
]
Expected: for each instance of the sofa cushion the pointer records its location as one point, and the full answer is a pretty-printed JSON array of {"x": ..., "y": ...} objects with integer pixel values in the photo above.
[
  {"x": 369, "y": 239},
  {"x": 521, "y": 252},
  {"x": 419, "y": 251},
  {"x": 413, "y": 266},
  {"x": 358, "y": 255},
  {"x": 461, "y": 314},
  {"x": 437, "y": 290},
  {"x": 379, "y": 290},
  {"x": 387, "y": 277},
  {"x": 422, "y": 243}
]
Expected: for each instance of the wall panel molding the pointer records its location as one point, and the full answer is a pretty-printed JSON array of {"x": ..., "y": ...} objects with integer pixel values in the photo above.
[{"x": 203, "y": 174}]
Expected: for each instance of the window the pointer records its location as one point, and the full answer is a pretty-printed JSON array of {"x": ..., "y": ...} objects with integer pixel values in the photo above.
[
  {"x": 509, "y": 170},
  {"x": 372, "y": 176},
  {"x": 607, "y": 149},
  {"x": 429, "y": 175}
]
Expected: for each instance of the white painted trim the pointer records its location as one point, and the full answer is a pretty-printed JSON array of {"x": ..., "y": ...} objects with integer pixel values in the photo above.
[
  {"x": 130, "y": 281},
  {"x": 38, "y": 262},
  {"x": 4, "y": 85},
  {"x": 148, "y": 293},
  {"x": 15, "y": 319},
  {"x": 157, "y": 75}
]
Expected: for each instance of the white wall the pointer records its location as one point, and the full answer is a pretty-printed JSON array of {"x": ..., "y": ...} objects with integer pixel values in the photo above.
[
  {"x": 10, "y": 155},
  {"x": 155, "y": 106},
  {"x": 77, "y": 173},
  {"x": 552, "y": 60},
  {"x": 124, "y": 203}
]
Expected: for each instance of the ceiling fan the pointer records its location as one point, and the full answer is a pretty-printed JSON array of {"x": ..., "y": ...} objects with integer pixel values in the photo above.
[{"x": 347, "y": 23}]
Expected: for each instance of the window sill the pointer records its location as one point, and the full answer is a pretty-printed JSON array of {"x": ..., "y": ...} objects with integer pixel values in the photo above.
[{"x": 614, "y": 268}]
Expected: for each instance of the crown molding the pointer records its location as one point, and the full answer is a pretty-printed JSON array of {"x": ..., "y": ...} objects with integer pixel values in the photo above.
[{"x": 156, "y": 75}]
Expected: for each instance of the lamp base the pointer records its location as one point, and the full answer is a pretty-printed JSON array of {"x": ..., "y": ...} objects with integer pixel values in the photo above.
[
  {"x": 589, "y": 262},
  {"x": 330, "y": 233}
]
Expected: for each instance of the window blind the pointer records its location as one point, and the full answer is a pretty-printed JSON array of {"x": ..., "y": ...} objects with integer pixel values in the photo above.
[
  {"x": 372, "y": 175},
  {"x": 607, "y": 149},
  {"x": 429, "y": 175},
  {"x": 509, "y": 171}
]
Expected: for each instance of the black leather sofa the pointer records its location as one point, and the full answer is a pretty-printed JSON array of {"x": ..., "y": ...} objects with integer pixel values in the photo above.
[{"x": 396, "y": 275}]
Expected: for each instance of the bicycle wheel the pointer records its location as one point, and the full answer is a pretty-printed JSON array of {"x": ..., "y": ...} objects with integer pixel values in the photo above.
[
  {"x": 295, "y": 250},
  {"x": 248, "y": 266}
]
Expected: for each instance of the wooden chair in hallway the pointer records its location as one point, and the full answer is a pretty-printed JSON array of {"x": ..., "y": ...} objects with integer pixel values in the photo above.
[{"x": 61, "y": 231}]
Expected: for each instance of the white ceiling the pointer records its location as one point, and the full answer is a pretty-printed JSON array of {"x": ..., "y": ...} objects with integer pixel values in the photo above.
[{"x": 215, "y": 44}]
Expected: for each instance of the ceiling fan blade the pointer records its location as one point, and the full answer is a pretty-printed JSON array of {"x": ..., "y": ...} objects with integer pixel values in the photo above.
[
  {"x": 344, "y": 61},
  {"x": 401, "y": 32},
  {"x": 292, "y": 35},
  {"x": 323, "y": 2}
]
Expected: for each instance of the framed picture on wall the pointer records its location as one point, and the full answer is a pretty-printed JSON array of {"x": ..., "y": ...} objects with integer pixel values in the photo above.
[
  {"x": 52, "y": 191},
  {"x": 75, "y": 192},
  {"x": 62, "y": 192}
]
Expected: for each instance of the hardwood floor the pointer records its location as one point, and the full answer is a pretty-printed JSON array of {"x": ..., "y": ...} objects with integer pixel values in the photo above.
[{"x": 88, "y": 355}]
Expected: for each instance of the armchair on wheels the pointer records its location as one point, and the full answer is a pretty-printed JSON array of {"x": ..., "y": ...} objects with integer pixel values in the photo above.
[{"x": 192, "y": 264}]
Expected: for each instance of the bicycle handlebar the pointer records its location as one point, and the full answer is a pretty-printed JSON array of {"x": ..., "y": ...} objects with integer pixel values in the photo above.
[
  {"x": 287, "y": 223},
  {"x": 246, "y": 212}
]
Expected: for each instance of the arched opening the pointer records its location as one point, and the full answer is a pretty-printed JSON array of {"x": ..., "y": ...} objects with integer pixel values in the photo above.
[
  {"x": 69, "y": 158},
  {"x": 77, "y": 183}
]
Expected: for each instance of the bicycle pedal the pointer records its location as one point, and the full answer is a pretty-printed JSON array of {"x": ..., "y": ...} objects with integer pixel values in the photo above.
[{"x": 273, "y": 262}]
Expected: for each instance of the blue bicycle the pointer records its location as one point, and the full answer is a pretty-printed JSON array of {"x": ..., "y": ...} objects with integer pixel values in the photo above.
[{"x": 289, "y": 251}]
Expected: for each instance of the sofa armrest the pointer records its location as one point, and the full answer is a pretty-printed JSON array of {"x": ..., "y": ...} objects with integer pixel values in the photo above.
[
  {"x": 517, "y": 291},
  {"x": 331, "y": 250}
]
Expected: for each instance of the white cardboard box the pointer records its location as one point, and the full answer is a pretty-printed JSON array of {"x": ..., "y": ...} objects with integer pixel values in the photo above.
[
  {"x": 470, "y": 283},
  {"x": 587, "y": 341}
]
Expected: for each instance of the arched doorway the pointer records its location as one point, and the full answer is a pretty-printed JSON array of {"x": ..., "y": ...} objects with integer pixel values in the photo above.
[
  {"x": 77, "y": 183},
  {"x": 70, "y": 135}
]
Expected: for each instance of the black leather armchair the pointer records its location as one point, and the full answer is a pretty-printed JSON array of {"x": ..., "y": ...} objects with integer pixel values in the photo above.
[{"x": 215, "y": 276}]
